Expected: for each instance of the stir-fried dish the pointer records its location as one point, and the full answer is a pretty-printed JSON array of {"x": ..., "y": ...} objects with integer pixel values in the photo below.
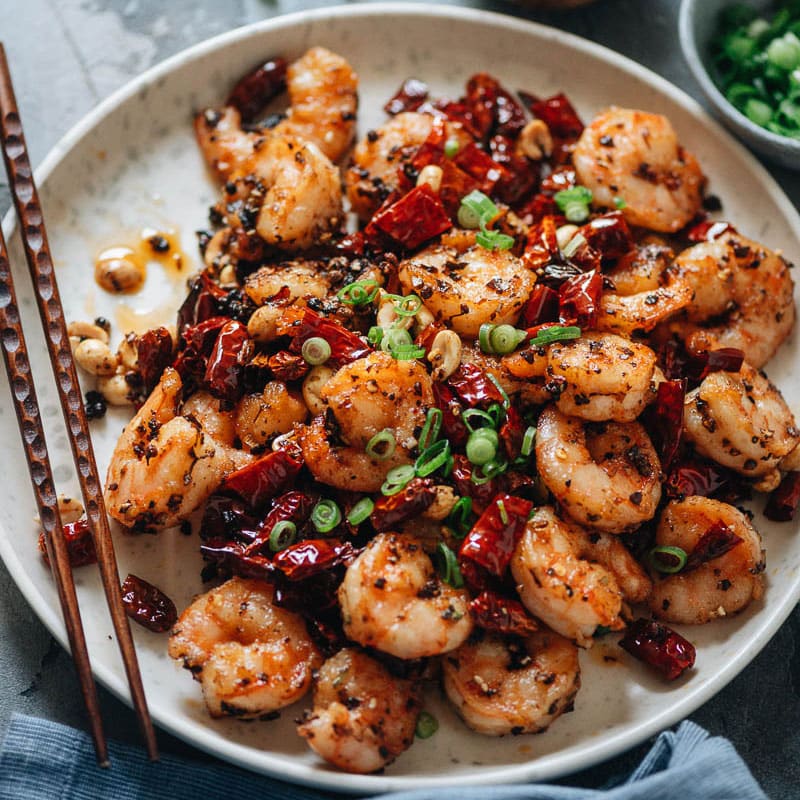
[{"x": 448, "y": 404}]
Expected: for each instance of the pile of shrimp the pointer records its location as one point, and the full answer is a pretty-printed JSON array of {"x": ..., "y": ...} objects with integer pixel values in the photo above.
[{"x": 402, "y": 602}]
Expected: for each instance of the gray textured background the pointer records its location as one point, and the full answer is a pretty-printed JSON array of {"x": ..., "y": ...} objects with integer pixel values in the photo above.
[{"x": 66, "y": 55}]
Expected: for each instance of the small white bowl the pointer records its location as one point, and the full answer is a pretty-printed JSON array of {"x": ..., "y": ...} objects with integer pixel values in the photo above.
[{"x": 698, "y": 21}]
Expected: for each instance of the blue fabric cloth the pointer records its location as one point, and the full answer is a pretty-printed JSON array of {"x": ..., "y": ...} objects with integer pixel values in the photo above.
[{"x": 42, "y": 760}]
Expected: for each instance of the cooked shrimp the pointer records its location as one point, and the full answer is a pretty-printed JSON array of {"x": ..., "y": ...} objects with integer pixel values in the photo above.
[
  {"x": 742, "y": 422},
  {"x": 250, "y": 656},
  {"x": 522, "y": 374},
  {"x": 363, "y": 398},
  {"x": 392, "y": 599},
  {"x": 300, "y": 278},
  {"x": 467, "y": 288},
  {"x": 323, "y": 100},
  {"x": 293, "y": 183},
  {"x": 260, "y": 417},
  {"x": 604, "y": 475},
  {"x": 166, "y": 464},
  {"x": 363, "y": 716},
  {"x": 719, "y": 587},
  {"x": 603, "y": 377},
  {"x": 747, "y": 285},
  {"x": 648, "y": 290},
  {"x": 559, "y": 584},
  {"x": 501, "y": 686},
  {"x": 636, "y": 156}
]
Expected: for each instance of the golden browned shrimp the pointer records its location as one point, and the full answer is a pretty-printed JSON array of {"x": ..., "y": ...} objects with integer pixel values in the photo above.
[
  {"x": 260, "y": 417},
  {"x": 301, "y": 278},
  {"x": 741, "y": 421},
  {"x": 636, "y": 156},
  {"x": 392, "y": 599},
  {"x": 250, "y": 656},
  {"x": 559, "y": 584},
  {"x": 522, "y": 374},
  {"x": 743, "y": 297},
  {"x": 604, "y": 475},
  {"x": 466, "y": 288},
  {"x": 167, "y": 461},
  {"x": 717, "y": 588},
  {"x": 647, "y": 291},
  {"x": 363, "y": 716},
  {"x": 502, "y": 686}
]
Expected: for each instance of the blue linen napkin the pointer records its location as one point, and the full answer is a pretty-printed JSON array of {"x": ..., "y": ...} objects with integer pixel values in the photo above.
[{"x": 43, "y": 760}]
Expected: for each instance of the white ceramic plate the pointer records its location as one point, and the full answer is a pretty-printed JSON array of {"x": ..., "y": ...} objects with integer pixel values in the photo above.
[{"x": 133, "y": 162}]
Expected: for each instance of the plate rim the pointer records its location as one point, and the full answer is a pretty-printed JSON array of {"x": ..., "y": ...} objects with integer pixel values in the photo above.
[{"x": 558, "y": 764}]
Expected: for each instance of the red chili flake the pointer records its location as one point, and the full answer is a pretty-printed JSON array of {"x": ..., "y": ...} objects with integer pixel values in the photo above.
[
  {"x": 668, "y": 419},
  {"x": 715, "y": 542},
  {"x": 520, "y": 174},
  {"x": 481, "y": 167},
  {"x": 228, "y": 517},
  {"x": 537, "y": 208},
  {"x": 312, "y": 557},
  {"x": 695, "y": 477},
  {"x": 411, "y": 220},
  {"x": 579, "y": 299},
  {"x": 494, "y": 536},
  {"x": 491, "y": 102},
  {"x": 609, "y": 234},
  {"x": 512, "y": 432},
  {"x": 257, "y": 87},
  {"x": 782, "y": 503},
  {"x": 409, "y": 97},
  {"x": 79, "y": 541},
  {"x": 542, "y": 245},
  {"x": 264, "y": 478},
  {"x": 542, "y": 306},
  {"x": 346, "y": 346},
  {"x": 494, "y": 612},
  {"x": 704, "y": 362},
  {"x": 293, "y": 506},
  {"x": 288, "y": 366},
  {"x": 561, "y": 178},
  {"x": 225, "y": 367},
  {"x": 559, "y": 116},
  {"x": 389, "y": 512},
  {"x": 154, "y": 353},
  {"x": 456, "y": 111},
  {"x": 660, "y": 647},
  {"x": 148, "y": 605},
  {"x": 453, "y": 427},
  {"x": 201, "y": 302},
  {"x": 474, "y": 387},
  {"x": 708, "y": 230},
  {"x": 481, "y": 493}
]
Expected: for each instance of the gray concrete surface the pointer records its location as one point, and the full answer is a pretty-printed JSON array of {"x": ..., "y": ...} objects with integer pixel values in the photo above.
[{"x": 66, "y": 55}]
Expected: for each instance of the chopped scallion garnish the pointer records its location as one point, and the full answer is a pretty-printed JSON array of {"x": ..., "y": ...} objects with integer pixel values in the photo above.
[
  {"x": 558, "y": 333},
  {"x": 427, "y": 725},
  {"x": 315, "y": 351},
  {"x": 667, "y": 559},
  {"x": 397, "y": 479},
  {"x": 381, "y": 446},
  {"x": 360, "y": 511},
  {"x": 283, "y": 533},
  {"x": 432, "y": 458},
  {"x": 326, "y": 516},
  {"x": 448, "y": 566},
  {"x": 359, "y": 293},
  {"x": 574, "y": 202}
]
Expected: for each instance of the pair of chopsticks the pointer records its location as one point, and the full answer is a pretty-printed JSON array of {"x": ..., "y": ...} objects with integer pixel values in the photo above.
[{"x": 40, "y": 264}]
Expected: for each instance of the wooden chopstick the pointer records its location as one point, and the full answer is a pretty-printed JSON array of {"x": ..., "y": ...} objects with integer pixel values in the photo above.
[
  {"x": 40, "y": 264},
  {"x": 20, "y": 381}
]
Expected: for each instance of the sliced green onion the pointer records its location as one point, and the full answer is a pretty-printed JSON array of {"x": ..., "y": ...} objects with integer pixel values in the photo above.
[
  {"x": 506, "y": 401},
  {"x": 503, "y": 339},
  {"x": 283, "y": 534},
  {"x": 432, "y": 458},
  {"x": 431, "y": 428},
  {"x": 326, "y": 516},
  {"x": 427, "y": 725},
  {"x": 394, "y": 338},
  {"x": 315, "y": 351},
  {"x": 481, "y": 205},
  {"x": 482, "y": 446},
  {"x": 784, "y": 52},
  {"x": 360, "y": 511},
  {"x": 574, "y": 203},
  {"x": 407, "y": 306},
  {"x": 381, "y": 446},
  {"x": 497, "y": 413},
  {"x": 527, "y": 441},
  {"x": 448, "y": 566},
  {"x": 501, "y": 507},
  {"x": 667, "y": 559},
  {"x": 494, "y": 240},
  {"x": 375, "y": 336},
  {"x": 359, "y": 293},
  {"x": 451, "y": 147},
  {"x": 484, "y": 336},
  {"x": 558, "y": 333},
  {"x": 758, "y": 111},
  {"x": 573, "y": 245},
  {"x": 473, "y": 417},
  {"x": 460, "y": 516},
  {"x": 467, "y": 218},
  {"x": 619, "y": 203},
  {"x": 494, "y": 468},
  {"x": 397, "y": 479},
  {"x": 407, "y": 352}
]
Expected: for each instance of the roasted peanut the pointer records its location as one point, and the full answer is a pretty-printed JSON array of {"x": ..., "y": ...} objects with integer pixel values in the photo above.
[
  {"x": 535, "y": 140},
  {"x": 95, "y": 357},
  {"x": 445, "y": 354}
]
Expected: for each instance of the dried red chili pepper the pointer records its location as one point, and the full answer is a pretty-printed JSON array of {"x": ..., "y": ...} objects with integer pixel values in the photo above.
[
  {"x": 704, "y": 362},
  {"x": 533, "y": 211},
  {"x": 198, "y": 341},
  {"x": 559, "y": 115},
  {"x": 154, "y": 353},
  {"x": 411, "y": 220},
  {"x": 225, "y": 367},
  {"x": 474, "y": 387},
  {"x": 708, "y": 230},
  {"x": 563, "y": 177},
  {"x": 257, "y": 87},
  {"x": 494, "y": 106},
  {"x": 346, "y": 346},
  {"x": 668, "y": 419},
  {"x": 288, "y": 366},
  {"x": 511, "y": 433},
  {"x": 481, "y": 493},
  {"x": 426, "y": 336},
  {"x": 579, "y": 299},
  {"x": 481, "y": 167},
  {"x": 148, "y": 605},
  {"x": 453, "y": 427},
  {"x": 542, "y": 306},
  {"x": 409, "y": 97},
  {"x": 783, "y": 502},
  {"x": 264, "y": 478},
  {"x": 695, "y": 477},
  {"x": 494, "y": 536},
  {"x": 659, "y": 647},
  {"x": 609, "y": 234},
  {"x": 228, "y": 517},
  {"x": 715, "y": 542},
  {"x": 313, "y": 556},
  {"x": 389, "y": 512},
  {"x": 229, "y": 558},
  {"x": 494, "y": 612},
  {"x": 542, "y": 245},
  {"x": 79, "y": 541},
  {"x": 201, "y": 302},
  {"x": 521, "y": 175},
  {"x": 293, "y": 507}
]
